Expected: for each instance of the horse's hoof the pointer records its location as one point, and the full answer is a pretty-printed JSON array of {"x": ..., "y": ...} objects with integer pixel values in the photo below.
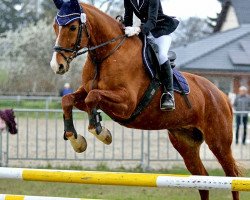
[
  {"x": 79, "y": 144},
  {"x": 105, "y": 135}
]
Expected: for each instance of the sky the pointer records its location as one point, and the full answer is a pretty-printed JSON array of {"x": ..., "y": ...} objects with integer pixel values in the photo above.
[{"x": 188, "y": 8}]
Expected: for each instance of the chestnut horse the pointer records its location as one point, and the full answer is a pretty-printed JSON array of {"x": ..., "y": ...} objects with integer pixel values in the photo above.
[{"x": 121, "y": 82}]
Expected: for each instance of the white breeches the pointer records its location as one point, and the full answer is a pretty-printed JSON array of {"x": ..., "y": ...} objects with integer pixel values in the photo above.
[{"x": 163, "y": 44}]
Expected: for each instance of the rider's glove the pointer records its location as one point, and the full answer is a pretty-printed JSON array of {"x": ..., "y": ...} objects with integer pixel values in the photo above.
[{"x": 130, "y": 31}]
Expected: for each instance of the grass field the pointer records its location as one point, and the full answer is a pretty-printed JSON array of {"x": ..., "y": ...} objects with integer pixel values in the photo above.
[
  {"x": 40, "y": 104},
  {"x": 29, "y": 104},
  {"x": 113, "y": 192}
]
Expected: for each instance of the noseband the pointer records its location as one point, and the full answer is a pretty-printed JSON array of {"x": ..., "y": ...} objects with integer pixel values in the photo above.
[{"x": 77, "y": 47}]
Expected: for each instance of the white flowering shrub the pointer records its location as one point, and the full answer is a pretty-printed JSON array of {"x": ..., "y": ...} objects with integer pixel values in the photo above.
[{"x": 26, "y": 53}]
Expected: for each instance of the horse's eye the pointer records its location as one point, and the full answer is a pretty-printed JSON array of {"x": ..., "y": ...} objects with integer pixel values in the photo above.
[{"x": 72, "y": 28}]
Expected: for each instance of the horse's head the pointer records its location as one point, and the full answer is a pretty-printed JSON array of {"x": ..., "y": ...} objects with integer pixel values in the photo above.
[{"x": 72, "y": 34}]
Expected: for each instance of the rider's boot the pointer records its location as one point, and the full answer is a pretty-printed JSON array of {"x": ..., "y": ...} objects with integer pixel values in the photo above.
[{"x": 167, "y": 98}]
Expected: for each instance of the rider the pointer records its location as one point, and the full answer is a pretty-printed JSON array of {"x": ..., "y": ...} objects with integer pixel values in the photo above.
[{"x": 157, "y": 27}]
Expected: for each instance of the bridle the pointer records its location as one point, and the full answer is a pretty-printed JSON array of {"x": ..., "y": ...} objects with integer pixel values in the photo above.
[{"x": 77, "y": 47}]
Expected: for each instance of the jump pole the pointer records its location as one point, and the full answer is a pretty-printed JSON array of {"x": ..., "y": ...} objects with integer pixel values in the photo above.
[
  {"x": 128, "y": 179},
  {"x": 22, "y": 197}
]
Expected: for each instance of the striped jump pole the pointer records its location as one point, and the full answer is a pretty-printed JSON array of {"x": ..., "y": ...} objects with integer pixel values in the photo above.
[
  {"x": 128, "y": 179},
  {"x": 22, "y": 197}
]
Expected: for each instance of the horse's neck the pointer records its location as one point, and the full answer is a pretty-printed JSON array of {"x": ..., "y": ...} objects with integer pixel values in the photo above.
[{"x": 103, "y": 27}]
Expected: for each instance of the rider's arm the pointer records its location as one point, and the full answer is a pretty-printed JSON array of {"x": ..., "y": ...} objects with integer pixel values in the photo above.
[
  {"x": 152, "y": 17},
  {"x": 128, "y": 16}
]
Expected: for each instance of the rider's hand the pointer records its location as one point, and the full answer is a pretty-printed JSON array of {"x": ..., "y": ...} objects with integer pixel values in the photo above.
[{"x": 130, "y": 31}]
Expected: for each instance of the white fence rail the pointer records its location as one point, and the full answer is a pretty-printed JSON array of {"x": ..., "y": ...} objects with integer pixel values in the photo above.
[{"x": 39, "y": 142}]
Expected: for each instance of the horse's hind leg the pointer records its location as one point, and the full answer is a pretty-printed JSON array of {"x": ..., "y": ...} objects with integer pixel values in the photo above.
[
  {"x": 187, "y": 142},
  {"x": 221, "y": 148}
]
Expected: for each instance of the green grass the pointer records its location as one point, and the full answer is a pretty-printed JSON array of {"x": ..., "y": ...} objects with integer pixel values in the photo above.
[
  {"x": 40, "y": 104},
  {"x": 112, "y": 192},
  {"x": 29, "y": 104},
  {"x": 105, "y": 192},
  {"x": 48, "y": 115}
]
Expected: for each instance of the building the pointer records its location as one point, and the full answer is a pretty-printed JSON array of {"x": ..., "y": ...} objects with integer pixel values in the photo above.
[
  {"x": 223, "y": 57},
  {"x": 234, "y": 13}
]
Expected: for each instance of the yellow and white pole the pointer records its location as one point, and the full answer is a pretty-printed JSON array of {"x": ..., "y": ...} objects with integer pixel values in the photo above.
[
  {"x": 128, "y": 179},
  {"x": 23, "y": 197}
]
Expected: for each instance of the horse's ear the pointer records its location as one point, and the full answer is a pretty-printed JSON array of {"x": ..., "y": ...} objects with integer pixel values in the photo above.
[{"x": 58, "y": 3}]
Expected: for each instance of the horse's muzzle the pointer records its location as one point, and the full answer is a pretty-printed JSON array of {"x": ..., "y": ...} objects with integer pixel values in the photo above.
[
  {"x": 61, "y": 70},
  {"x": 59, "y": 67}
]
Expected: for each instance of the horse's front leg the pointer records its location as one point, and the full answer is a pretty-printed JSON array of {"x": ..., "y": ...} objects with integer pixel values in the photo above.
[
  {"x": 117, "y": 103},
  {"x": 76, "y": 99}
]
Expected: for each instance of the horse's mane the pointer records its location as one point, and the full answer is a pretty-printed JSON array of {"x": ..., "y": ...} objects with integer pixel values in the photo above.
[{"x": 90, "y": 9}]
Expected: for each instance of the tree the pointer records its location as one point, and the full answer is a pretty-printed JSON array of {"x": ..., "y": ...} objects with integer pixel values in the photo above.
[
  {"x": 48, "y": 10},
  {"x": 112, "y": 7},
  {"x": 216, "y": 23},
  {"x": 27, "y": 53},
  {"x": 15, "y": 13},
  {"x": 191, "y": 30}
]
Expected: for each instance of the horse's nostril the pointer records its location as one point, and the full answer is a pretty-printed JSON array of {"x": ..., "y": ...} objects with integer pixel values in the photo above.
[{"x": 61, "y": 67}]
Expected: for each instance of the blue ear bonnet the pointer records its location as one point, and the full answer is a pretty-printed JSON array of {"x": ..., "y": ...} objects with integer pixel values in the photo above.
[{"x": 69, "y": 11}]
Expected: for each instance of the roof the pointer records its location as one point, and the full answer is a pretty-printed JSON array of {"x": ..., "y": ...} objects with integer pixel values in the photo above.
[
  {"x": 242, "y": 9},
  {"x": 229, "y": 50}
]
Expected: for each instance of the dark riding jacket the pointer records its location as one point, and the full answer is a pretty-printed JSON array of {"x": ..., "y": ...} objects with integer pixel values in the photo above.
[{"x": 151, "y": 15}]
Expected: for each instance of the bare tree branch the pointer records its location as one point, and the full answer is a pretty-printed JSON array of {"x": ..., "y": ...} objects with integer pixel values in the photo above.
[
  {"x": 109, "y": 7},
  {"x": 191, "y": 30},
  {"x": 92, "y": 2},
  {"x": 106, "y": 1}
]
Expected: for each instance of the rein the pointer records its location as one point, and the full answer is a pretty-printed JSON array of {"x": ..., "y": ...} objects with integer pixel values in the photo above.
[
  {"x": 123, "y": 37},
  {"x": 76, "y": 49}
]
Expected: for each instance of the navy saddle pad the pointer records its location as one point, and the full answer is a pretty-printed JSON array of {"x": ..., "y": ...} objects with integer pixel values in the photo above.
[{"x": 151, "y": 62}]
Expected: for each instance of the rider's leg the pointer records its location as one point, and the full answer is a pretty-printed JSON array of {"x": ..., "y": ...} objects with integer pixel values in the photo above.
[
  {"x": 166, "y": 73},
  {"x": 167, "y": 98}
]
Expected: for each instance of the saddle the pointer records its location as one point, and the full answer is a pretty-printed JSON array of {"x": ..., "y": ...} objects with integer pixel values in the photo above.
[{"x": 151, "y": 63}]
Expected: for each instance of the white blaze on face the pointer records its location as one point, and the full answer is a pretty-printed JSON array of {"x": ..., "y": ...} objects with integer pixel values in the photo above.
[{"x": 53, "y": 63}]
